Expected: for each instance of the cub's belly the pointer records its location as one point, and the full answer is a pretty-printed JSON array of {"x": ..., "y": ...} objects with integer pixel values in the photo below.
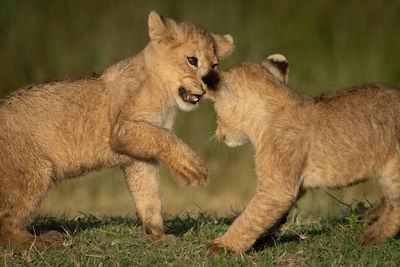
[
  {"x": 341, "y": 168},
  {"x": 314, "y": 180}
]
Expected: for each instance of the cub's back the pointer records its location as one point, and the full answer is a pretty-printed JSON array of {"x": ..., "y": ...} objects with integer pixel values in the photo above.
[
  {"x": 353, "y": 131},
  {"x": 369, "y": 94},
  {"x": 56, "y": 118},
  {"x": 375, "y": 104}
]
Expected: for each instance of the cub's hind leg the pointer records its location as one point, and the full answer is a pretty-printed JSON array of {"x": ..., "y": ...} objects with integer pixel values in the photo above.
[
  {"x": 143, "y": 182},
  {"x": 388, "y": 223},
  {"x": 20, "y": 196},
  {"x": 374, "y": 213}
]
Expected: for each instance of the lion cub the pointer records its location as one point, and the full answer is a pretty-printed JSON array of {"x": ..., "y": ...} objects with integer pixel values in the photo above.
[
  {"x": 302, "y": 143},
  {"x": 55, "y": 131}
]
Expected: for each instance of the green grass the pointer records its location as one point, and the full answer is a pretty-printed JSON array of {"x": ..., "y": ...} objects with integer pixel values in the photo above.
[{"x": 116, "y": 241}]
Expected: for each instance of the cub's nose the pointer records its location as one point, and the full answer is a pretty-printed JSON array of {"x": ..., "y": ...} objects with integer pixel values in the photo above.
[{"x": 211, "y": 79}]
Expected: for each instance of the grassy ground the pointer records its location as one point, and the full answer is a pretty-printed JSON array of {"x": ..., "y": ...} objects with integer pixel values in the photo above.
[{"x": 116, "y": 241}]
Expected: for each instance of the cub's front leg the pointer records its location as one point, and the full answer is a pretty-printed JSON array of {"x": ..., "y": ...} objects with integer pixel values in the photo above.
[
  {"x": 142, "y": 179},
  {"x": 272, "y": 201},
  {"x": 140, "y": 139}
]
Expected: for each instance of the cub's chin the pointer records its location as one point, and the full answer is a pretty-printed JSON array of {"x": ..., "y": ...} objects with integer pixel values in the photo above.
[
  {"x": 187, "y": 101},
  {"x": 234, "y": 144}
]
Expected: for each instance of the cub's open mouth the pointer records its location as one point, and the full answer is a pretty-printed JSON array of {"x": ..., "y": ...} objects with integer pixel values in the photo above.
[{"x": 189, "y": 98}]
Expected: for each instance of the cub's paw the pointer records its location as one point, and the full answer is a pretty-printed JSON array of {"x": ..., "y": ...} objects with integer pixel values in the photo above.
[
  {"x": 50, "y": 239},
  {"x": 190, "y": 170},
  {"x": 155, "y": 234},
  {"x": 370, "y": 238},
  {"x": 216, "y": 248}
]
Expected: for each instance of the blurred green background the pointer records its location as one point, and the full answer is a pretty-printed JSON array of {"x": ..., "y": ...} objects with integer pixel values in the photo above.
[{"x": 329, "y": 44}]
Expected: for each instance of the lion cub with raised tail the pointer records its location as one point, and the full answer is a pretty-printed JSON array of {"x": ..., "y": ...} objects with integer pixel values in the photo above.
[
  {"x": 55, "y": 131},
  {"x": 302, "y": 143}
]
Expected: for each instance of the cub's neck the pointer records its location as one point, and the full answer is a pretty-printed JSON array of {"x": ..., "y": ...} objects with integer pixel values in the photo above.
[
  {"x": 268, "y": 109},
  {"x": 135, "y": 86}
]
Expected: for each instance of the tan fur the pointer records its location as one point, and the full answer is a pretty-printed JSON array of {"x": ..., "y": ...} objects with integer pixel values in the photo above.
[
  {"x": 302, "y": 143},
  {"x": 54, "y": 131}
]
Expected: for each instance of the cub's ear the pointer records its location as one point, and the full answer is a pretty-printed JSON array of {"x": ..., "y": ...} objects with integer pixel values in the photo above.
[
  {"x": 279, "y": 66},
  {"x": 161, "y": 30},
  {"x": 223, "y": 43}
]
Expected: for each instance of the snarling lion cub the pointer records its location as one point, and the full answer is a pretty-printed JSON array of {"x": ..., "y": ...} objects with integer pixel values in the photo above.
[
  {"x": 331, "y": 141},
  {"x": 54, "y": 131}
]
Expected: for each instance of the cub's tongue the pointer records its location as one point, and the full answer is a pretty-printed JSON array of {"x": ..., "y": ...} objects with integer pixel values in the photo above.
[
  {"x": 189, "y": 98},
  {"x": 192, "y": 98}
]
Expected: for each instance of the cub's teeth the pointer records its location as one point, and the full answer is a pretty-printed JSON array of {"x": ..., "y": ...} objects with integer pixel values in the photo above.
[{"x": 193, "y": 98}]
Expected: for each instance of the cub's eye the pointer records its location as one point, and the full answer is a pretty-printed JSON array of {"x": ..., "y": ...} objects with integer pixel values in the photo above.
[
  {"x": 214, "y": 65},
  {"x": 192, "y": 61}
]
